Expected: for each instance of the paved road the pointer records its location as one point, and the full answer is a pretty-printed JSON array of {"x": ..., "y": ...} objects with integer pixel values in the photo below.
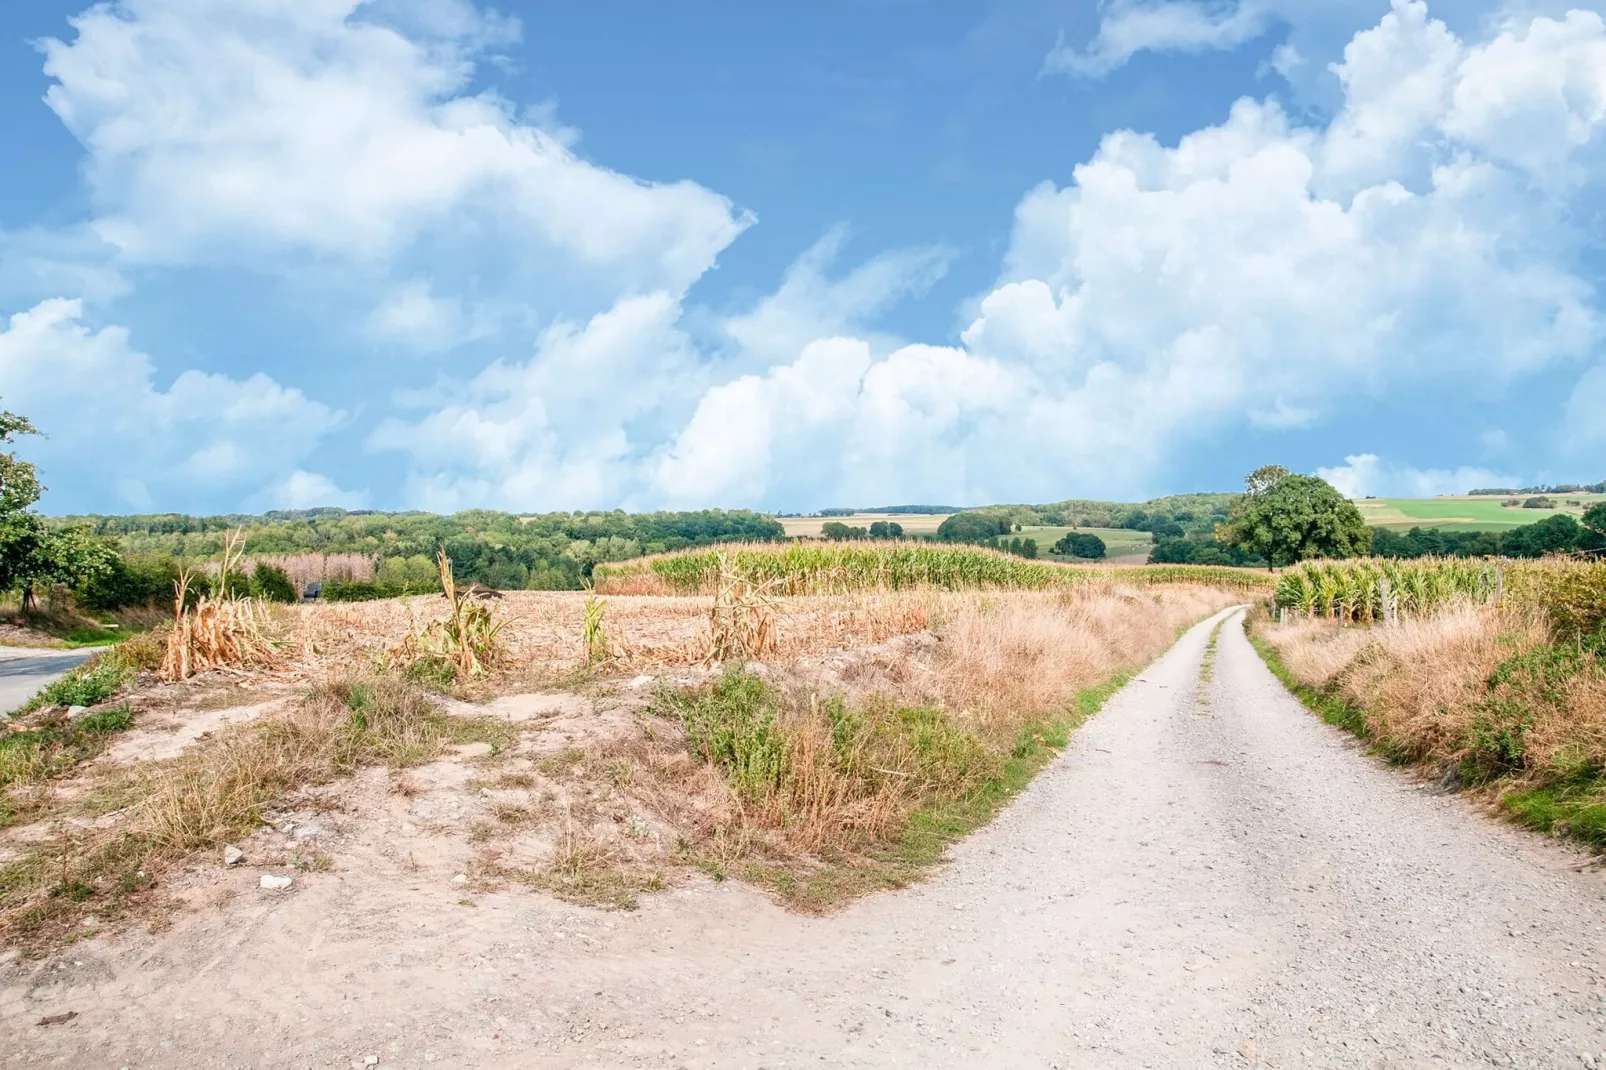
[
  {"x": 1210, "y": 877},
  {"x": 23, "y": 671}
]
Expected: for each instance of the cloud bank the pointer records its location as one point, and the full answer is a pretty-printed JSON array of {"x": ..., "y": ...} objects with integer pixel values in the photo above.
[{"x": 1262, "y": 274}]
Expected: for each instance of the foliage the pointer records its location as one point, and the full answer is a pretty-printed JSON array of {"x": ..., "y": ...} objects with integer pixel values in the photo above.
[
  {"x": 836, "y": 531},
  {"x": 1595, "y": 518},
  {"x": 886, "y": 529},
  {"x": 552, "y": 551},
  {"x": 1181, "y": 514},
  {"x": 269, "y": 582},
  {"x": 974, "y": 527},
  {"x": 1202, "y": 550},
  {"x": 1080, "y": 544},
  {"x": 1555, "y": 534},
  {"x": 1286, "y": 518}
]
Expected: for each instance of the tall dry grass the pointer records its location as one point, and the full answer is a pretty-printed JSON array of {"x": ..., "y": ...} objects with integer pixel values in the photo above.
[
  {"x": 1477, "y": 690},
  {"x": 837, "y": 768},
  {"x": 1006, "y": 660}
]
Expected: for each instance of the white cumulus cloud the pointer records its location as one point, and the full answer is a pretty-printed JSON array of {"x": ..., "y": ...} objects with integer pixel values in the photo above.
[
  {"x": 226, "y": 130},
  {"x": 204, "y": 438},
  {"x": 1366, "y": 474}
]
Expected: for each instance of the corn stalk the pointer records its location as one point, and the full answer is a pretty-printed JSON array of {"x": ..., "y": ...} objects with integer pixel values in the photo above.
[{"x": 222, "y": 631}]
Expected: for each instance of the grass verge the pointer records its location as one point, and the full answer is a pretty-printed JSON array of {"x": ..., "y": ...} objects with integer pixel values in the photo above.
[
  {"x": 873, "y": 795},
  {"x": 1325, "y": 703},
  {"x": 1486, "y": 746}
]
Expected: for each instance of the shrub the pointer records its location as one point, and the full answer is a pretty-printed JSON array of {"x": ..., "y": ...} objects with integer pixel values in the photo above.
[{"x": 271, "y": 582}]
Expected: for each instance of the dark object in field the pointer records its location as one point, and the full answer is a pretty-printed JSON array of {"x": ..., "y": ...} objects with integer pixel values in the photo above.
[
  {"x": 312, "y": 592},
  {"x": 479, "y": 590},
  {"x": 57, "y": 1019}
]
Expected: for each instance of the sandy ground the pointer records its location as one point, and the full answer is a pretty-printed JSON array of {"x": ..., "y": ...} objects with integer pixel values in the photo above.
[{"x": 1208, "y": 877}]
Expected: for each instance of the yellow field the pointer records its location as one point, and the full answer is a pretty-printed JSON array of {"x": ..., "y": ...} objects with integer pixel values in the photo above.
[{"x": 913, "y": 524}]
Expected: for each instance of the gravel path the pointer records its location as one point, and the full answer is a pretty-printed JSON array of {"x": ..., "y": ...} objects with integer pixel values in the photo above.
[{"x": 1209, "y": 877}]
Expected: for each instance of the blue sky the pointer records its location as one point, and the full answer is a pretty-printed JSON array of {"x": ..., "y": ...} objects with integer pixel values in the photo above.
[{"x": 434, "y": 254}]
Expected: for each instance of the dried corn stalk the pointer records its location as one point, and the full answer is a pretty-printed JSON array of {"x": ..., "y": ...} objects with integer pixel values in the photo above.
[
  {"x": 742, "y": 620},
  {"x": 225, "y": 631},
  {"x": 466, "y": 640}
]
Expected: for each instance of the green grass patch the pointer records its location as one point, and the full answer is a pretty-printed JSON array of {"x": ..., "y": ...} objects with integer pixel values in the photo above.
[
  {"x": 57, "y": 746},
  {"x": 1576, "y": 809},
  {"x": 82, "y": 637},
  {"x": 958, "y": 782}
]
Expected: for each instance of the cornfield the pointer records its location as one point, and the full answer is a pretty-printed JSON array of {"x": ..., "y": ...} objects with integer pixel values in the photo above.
[
  {"x": 816, "y": 569},
  {"x": 1371, "y": 589}
]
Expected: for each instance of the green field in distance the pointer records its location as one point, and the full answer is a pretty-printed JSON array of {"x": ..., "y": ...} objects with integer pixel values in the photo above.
[{"x": 1466, "y": 514}]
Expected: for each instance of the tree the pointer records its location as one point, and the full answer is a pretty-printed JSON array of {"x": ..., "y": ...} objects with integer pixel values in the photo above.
[
  {"x": 1081, "y": 544},
  {"x": 1286, "y": 518},
  {"x": 973, "y": 528},
  {"x": 32, "y": 554},
  {"x": 884, "y": 529},
  {"x": 836, "y": 531},
  {"x": 1595, "y": 518}
]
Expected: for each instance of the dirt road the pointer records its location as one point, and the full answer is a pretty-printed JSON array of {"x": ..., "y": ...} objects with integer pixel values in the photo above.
[{"x": 1209, "y": 877}]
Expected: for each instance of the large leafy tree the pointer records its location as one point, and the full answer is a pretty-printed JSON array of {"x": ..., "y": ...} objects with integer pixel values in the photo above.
[
  {"x": 1285, "y": 517},
  {"x": 33, "y": 554}
]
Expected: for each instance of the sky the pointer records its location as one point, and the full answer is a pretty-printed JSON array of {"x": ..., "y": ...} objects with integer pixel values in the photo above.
[{"x": 432, "y": 254}]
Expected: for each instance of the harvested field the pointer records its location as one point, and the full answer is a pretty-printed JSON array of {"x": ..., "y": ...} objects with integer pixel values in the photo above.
[{"x": 597, "y": 791}]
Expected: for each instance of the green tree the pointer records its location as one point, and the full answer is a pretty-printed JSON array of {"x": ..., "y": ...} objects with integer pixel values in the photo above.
[
  {"x": 33, "y": 555},
  {"x": 973, "y": 528},
  {"x": 1081, "y": 544},
  {"x": 1285, "y": 518},
  {"x": 1595, "y": 518}
]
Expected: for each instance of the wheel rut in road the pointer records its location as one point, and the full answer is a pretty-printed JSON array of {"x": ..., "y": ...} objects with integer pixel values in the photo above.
[{"x": 1209, "y": 876}]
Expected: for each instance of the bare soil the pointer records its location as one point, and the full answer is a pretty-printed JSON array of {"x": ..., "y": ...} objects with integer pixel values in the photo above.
[{"x": 1208, "y": 877}]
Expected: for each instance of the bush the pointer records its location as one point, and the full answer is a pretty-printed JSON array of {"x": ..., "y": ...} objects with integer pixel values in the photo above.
[
  {"x": 836, "y": 531},
  {"x": 271, "y": 582},
  {"x": 135, "y": 580}
]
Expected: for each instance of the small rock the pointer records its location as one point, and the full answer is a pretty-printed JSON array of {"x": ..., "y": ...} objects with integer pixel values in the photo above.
[
  {"x": 232, "y": 855},
  {"x": 304, "y": 831},
  {"x": 461, "y": 878},
  {"x": 370, "y": 1060},
  {"x": 91, "y": 922},
  {"x": 275, "y": 884},
  {"x": 1248, "y": 1050},
  {"x": 1588, "y": 1060},
  {"x": 74, "y": 712},
  {"x": 639, "y": 682}
]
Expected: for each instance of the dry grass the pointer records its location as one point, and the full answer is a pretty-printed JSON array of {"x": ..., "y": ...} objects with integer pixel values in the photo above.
[
  {"x": 807, "y": 769},
  {"x": 1484, "y": 696},
  {"x": 545, "y": 640},
  {"x": 215, "y": 792}
]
